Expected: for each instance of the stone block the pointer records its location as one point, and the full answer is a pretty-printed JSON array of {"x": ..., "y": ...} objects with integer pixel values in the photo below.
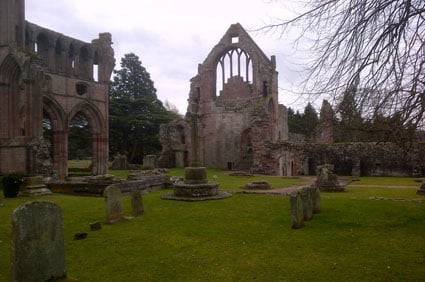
[
  {"x": 94, "y": 226},
  {"x": 259, "y": 184},
  {"x": 38, "y": 251},
  {"x": 297, "y": 211},
  {"x": 195, "y": 175},
  {"x": 421, "y": 190}
]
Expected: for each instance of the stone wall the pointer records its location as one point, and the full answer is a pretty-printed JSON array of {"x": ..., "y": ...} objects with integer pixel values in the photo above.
[
  {"x": 44, "y": 73},
  {"x": 236, "y": 94}
]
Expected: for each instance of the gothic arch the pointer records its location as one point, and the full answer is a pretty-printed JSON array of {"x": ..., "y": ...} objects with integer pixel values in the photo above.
[
  {"x": 10, "y": 75},
  {"x": 55, "y": 112},
  {"x": 93, "y": 115},
  {"x": 99, "y": 135}
]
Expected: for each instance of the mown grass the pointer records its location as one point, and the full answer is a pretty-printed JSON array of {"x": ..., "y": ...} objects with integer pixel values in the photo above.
[
  {"x": 392, "y": 181},
  {"x": 242, "y": 238}
]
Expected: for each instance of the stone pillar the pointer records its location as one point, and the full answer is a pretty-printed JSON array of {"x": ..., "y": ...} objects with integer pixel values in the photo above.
[
  {"x": 38, "y": 250},
  {"x": 60, "y": 153},
  {"x": 100, "y": 154}
]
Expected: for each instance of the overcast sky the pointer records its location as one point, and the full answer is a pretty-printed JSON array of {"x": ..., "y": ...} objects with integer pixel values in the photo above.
[{"x": 171, "y": 37}]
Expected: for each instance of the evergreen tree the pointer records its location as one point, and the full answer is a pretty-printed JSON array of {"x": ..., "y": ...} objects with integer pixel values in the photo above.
[{"x": 135, "y": 113}]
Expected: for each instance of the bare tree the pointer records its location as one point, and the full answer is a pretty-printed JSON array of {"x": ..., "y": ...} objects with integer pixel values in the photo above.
[{"x": 371, "y": 44}]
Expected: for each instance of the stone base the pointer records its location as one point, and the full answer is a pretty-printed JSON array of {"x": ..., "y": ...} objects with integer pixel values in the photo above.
[
  {"x": 196, "y": 190},
  {"x": 36, "y": 190},
  {"x": 220, "y": 195},
  {"x": 116, "y": 219},
  {"x": 260, "y": 185},
  {"x": 333, "y": 188}
]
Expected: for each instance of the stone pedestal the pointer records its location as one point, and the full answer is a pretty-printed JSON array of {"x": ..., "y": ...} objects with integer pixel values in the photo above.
[
  {"x": 327, "y": 180},
  {"x": 421, "y": 190},
  {"x": 34, "y": 186},
  {"x": 196, "y": 187}
]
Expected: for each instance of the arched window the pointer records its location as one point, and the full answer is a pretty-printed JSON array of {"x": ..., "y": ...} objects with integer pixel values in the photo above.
[
  {"x": 58, "y": 55},
  {"x": 235, "y": 62},
  {"x": 42, "y": 46},
  {"x": 96, "y": 66}
]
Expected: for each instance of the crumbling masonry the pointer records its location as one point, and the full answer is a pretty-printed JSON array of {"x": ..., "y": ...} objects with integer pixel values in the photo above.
[
  {"x": 236, "y": 90},
  {"x": 43, "y": 72}
]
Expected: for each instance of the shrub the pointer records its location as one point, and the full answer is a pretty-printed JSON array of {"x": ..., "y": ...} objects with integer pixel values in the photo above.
[{"x": 11, "y": 184}]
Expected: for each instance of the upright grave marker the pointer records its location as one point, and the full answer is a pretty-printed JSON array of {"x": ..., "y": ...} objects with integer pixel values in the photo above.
[
  {"x": 297, "y": 212},
  {"x": 137, "y": 203},
  {"x": 38, "y": 251},
  {"x": 113, "y": 205}
]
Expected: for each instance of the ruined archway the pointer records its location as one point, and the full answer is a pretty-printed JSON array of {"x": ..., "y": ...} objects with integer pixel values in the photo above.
[
  {"x": 99, "y": 134},
  {"x": 54, "y": 115}
]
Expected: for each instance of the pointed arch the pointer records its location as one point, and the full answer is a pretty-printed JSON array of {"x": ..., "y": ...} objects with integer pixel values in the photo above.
[
  {"x": 10, "y": 75},
  {"x": 93, "y": 115},
  {"x": 56, "y": 113}
]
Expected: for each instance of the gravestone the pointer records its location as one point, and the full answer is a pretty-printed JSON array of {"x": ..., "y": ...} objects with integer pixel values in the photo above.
[
  {"x": 1, "y": 202},
  {"x": 137, "y": 203},
  {"x": 297, "y": 212},
  {"x": 38, "y": 251},
  {"x": 119, "y": 162},
  {"x": 149, "y": 161},
  {"x": 316, "y": 198},
  {"x": 113, "y": 205},
  {"x": 307, "y": 203}
]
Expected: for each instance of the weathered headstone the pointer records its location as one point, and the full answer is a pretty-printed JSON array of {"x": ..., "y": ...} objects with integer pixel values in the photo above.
[
  {"x": 119, "y": 162},
  {"x": 149, "y": 161},
  {"x": 316, "y": 198},
  {"x": 38, "y": 251},
  {"x": 136, "y": 202},
  {"x": 297, "y": 212},
  {"x": 113, "y": 205},
  {"x": 307, "y": 203}
]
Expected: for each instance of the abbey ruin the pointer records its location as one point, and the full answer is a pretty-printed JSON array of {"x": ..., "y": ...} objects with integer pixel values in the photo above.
[
  {"x": 48, "y": 75},
  {"x": 243, "y": 126}
]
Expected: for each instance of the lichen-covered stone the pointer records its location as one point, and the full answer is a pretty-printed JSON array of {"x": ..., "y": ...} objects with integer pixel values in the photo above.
[
  {"x": 113, "y": 205},
  {"x": 297, "y": 211},
  {"x": 307, "y": 203},
  {"x": 38, "y": 251}
]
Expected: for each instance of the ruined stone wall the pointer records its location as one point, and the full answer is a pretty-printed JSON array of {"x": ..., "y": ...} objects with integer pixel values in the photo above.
[
  {"x": 236, "y": 92},
  {"x": 357, "y": 159},
  {"x": 43, "y": 72}
]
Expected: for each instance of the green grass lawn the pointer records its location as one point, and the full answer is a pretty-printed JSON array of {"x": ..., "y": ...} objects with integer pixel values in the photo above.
[
  {"x": 229, "y": 182},
  {"x": 242, "y": 238},
  {"x": 392, "y": 181}
]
